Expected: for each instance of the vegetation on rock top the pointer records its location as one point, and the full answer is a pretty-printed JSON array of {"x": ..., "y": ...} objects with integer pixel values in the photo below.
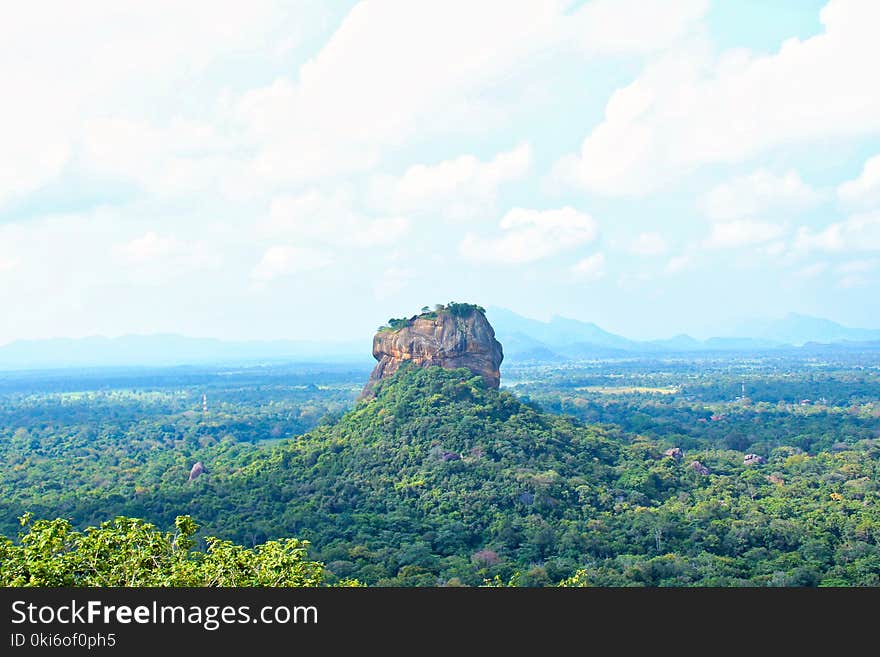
[{"x": 453, "y": 308}]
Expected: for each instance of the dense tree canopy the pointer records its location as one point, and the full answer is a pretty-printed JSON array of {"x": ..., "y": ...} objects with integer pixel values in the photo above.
[
  {"x": 439, "y": 480},
  {"x": 131, "y": 552}
]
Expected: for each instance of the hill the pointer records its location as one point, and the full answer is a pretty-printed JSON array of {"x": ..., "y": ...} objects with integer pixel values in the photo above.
[
  {"x": 442, "y": 480},
  {"x": 558, "y": 332},
  {"x": 408, "y": 486}
]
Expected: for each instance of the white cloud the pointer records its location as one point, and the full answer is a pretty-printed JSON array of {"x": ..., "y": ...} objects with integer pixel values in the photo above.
[
  {"x": 176, "y": 159},
  {"x": 160, "y": 258},
  {"x": 858, "y": 233},
  {"x": 636, "y": 26},
  {"x": 742, "y": 232},
  {"x": 829, "y": 239},
  {"x": 283, "y": 260},
  {"x": 866, "y": 188},
  {"x": 396, "y": 69},
  {"x": 123, "y": 115},
  {"x": 59, "y": 264},
  {"x": 855, "y": 272},
  {"x": 530, "y": 235},
  {"x": 8, "y": 264},
  {"x": 95, "y": 272},
  {"x": 812, "y": 271},
  {"x": 380, "y": 232},
  {"x": 649, "y": 244},
  {"x": 148, "y": 247},
  {"x": 459, "y": 188},
  {"x": 128, "y": 269},
  {"x": 34, "y": 161},
  {"x": 391, "y": 282},
  {"x": 66, "y": 64},
  {"x": 852, "y": 280},
  {"x": 329, "y": 219},
  {"x": 774, "y": 249},
  {"x": 689, "y": 108},
  {"x": 678, "y": 263},
  {"x": 857, "y": 266},
  {"x": 757, "y": 193},
  {"x": 591, "y": 268}
]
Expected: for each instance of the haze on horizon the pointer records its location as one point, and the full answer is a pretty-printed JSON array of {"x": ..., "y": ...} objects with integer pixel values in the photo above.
[{"x": 306, "y": 170}]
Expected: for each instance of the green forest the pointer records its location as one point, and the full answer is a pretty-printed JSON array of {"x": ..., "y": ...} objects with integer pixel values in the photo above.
[{"x": 649, "y": 476}]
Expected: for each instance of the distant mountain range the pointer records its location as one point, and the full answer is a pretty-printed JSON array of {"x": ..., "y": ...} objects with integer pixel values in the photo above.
[
  {"x": 563, "y": 339},
  {"x": 800, "y": 329},
  {"x": 523, "y": 339}
]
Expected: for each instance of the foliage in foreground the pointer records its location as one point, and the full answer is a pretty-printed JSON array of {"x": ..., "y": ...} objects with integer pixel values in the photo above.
[{"x": 131, "y": 552}]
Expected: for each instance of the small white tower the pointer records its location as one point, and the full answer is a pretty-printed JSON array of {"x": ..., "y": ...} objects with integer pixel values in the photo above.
[{"x": 204, "y": 403}]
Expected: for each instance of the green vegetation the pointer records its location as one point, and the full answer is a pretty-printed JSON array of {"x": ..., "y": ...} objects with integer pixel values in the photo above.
[
  {"x": 397, "y": 323},
  {"x": 130, "y": 552},
  {"x": 452, "y": 308},
  {"x": 463, "y": 309},
  {"x": 814, "y": 407},
  {"x": 76, "y": 445},
  {"x": 439, "y": 480}
]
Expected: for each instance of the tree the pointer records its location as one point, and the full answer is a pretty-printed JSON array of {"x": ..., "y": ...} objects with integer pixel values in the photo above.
[{"x": 131, "y": 552}]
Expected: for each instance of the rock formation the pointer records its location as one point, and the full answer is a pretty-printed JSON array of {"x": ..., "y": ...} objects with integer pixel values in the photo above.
[
  {"x": 699, "y": 468},
  {"x": 197, "y": 470},
  {"x": 451, "y": 336},
  {"x": 674, "y": 453}
]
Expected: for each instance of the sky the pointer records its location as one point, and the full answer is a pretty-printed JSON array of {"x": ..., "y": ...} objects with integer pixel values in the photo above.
[{"x": 307, "y": 169}]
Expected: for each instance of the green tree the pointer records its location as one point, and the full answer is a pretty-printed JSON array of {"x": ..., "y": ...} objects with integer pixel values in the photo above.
[{"x": 131, "y": 552}]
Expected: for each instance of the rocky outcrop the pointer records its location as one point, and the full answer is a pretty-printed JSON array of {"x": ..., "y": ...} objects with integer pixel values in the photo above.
[
  {"x": 674, "y": 453},
  {"x": 699, "y": 468},
  {"x": 753, "y": 459},
  {"x": 197, "y": 471},
  {"x": 451, "y": 336}
]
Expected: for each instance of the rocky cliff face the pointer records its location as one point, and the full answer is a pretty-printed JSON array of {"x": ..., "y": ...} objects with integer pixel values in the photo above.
[{"x": 455, "y": 336}]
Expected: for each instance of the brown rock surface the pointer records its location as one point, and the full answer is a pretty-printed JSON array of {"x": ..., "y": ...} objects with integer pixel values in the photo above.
[
  {"x": 699, "y": 468},
  {"x": 674, "y": 453},
  {"x": 458, "y": 335},
  {"x": 197, "y": 470}
]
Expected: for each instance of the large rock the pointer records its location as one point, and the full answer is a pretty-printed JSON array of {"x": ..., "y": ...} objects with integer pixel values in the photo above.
[
  {"x": 197, "y": 471},
  {"x": 674, "y": 453},
  {"x": 453, "y": 336},
  {"x": 699, "y": 468}
]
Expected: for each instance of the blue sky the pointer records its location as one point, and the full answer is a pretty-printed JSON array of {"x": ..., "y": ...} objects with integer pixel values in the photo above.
[{"x": 308, "y": 169}]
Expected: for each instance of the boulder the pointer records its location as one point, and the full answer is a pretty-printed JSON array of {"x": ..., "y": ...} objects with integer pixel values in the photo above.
[
  {"x": 699, "y": 468},
  {"x": 674, "y": 453},
  {"x": 197, "y": 470}
]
